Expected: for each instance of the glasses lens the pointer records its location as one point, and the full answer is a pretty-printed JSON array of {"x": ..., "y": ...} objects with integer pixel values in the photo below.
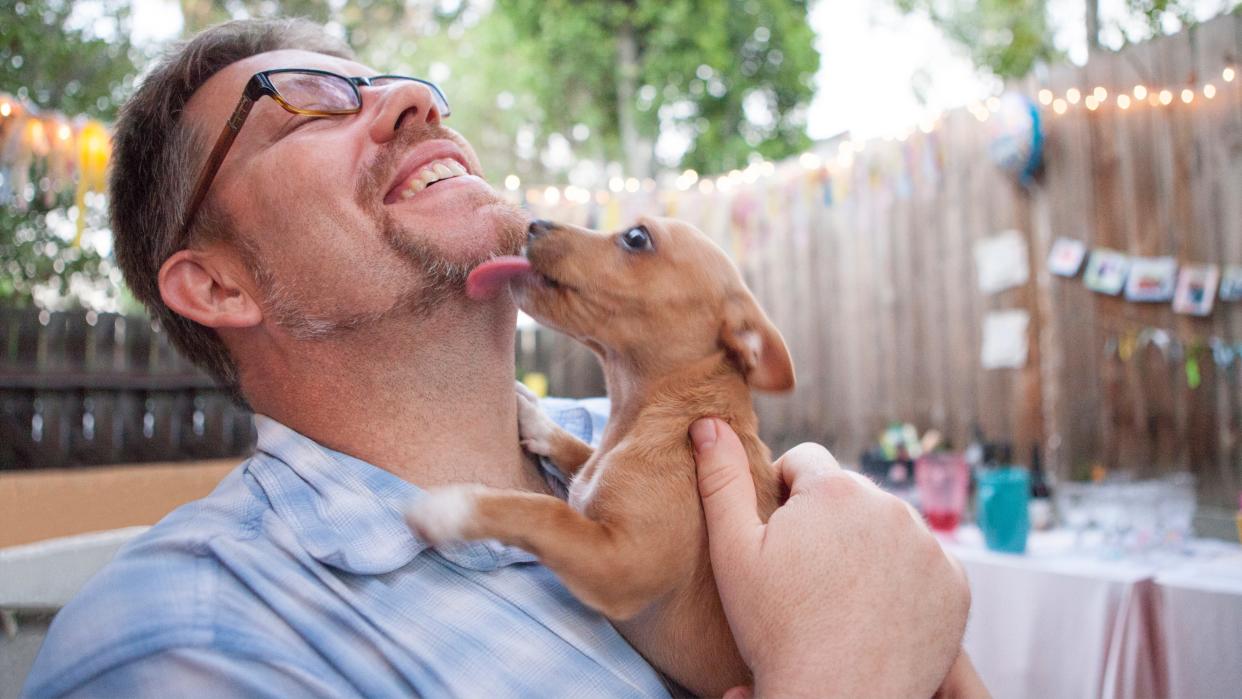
[
  {"x": 441, "y": 103},
  {"x": 316, "y": 92}
]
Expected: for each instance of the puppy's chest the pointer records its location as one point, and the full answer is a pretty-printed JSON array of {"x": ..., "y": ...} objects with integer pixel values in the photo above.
[
  {"x": 632, "y": 471},
  {"x": 582, "y": 489}
]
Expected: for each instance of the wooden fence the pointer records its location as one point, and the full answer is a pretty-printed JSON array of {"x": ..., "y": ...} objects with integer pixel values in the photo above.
[
  {"x": 869, "y": 270},
  {"x": 84, "y": 388}
]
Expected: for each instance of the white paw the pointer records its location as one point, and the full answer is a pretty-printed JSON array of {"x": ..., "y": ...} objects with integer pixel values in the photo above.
[
  {"x": 441, "y": 515},
  {"x": 535, "y": 428}
]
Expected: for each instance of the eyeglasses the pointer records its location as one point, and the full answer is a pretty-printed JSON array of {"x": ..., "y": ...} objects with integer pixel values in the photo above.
[{"x": 303, "y": 91}]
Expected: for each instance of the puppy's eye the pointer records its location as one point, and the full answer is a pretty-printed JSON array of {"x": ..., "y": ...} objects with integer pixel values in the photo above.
[{"x": 636, "y": 238}]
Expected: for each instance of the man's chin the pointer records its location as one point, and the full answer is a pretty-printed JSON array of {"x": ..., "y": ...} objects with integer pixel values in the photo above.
[{"x": 508, "y": 223}]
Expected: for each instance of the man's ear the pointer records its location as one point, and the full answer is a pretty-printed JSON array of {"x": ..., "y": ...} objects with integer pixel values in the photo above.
[
  {"x": 204, "y": 287},
  {"x": 756, "y": 345}
]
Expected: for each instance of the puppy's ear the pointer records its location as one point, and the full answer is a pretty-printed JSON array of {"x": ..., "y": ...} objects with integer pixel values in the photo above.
[{"x": 756, "y": 345}]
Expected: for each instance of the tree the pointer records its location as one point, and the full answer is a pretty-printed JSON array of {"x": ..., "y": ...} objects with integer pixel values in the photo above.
[
  {"x": 732, "y": 78},
  {"x": 1006, "y": 37},
  {"x": 56, "y": 59}
]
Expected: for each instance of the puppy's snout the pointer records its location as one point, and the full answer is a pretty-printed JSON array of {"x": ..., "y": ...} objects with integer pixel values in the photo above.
[{"x": 538, "y": 228}]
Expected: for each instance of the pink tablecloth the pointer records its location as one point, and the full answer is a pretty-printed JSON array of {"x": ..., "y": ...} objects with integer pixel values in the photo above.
[
  {"x": 1199, "y": 616},
  {"x": 1058, "y": 623}
]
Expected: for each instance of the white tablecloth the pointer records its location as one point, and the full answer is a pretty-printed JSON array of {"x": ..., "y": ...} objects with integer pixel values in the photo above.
[{"x": 1059, "y": 623}]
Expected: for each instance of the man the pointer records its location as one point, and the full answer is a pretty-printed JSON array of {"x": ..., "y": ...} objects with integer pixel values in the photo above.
[{"x": 311, "y": 253}]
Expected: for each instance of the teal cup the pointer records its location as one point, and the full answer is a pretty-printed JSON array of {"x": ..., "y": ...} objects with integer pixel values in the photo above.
[{"x": 1004, "y": 494}]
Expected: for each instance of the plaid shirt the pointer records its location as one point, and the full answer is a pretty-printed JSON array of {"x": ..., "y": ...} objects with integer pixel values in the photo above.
[{"x": 298, "y": 577}]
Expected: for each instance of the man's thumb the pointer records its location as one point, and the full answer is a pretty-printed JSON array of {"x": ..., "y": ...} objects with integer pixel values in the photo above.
[{"x": 726, "y": 487}]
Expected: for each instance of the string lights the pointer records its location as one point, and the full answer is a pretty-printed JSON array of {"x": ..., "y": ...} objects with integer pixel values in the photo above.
[{"x": 1099, "y": 96}]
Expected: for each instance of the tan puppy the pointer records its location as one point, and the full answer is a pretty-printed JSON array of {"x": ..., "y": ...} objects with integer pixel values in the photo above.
[{"x": 680, "y": 337}]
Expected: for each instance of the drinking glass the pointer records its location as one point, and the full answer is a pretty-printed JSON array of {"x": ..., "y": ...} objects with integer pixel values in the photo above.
[
  {"x": 942, "y": 479},
  {"x": 1004, "y": 495}
]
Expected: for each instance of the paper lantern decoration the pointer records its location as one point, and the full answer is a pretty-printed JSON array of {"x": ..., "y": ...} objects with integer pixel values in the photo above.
[
  {"x": 1017, "y": 138},
  {"x": 94, "y": 149}
]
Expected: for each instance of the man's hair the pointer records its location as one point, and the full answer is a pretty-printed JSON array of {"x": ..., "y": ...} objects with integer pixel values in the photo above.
[{"x": 157, "y": 157}]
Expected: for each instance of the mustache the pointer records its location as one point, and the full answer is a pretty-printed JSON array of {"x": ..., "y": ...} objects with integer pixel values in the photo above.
[{"x": 383, "y": 165}]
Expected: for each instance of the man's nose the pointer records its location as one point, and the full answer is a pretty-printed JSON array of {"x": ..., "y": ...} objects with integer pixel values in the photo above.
[{"x": 399, "y": 103}]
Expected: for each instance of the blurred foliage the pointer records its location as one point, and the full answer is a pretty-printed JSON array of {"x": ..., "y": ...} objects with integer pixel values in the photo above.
[
  {"x": 59, "y": 57},
  {"x": 75, "y": 59},
  {"x": 1007, "y": 37},
  {"x": 733, "y": 77}
]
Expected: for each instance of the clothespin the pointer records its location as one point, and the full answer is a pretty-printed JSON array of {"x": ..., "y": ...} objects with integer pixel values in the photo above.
[{"x": 1222, "y": 352}]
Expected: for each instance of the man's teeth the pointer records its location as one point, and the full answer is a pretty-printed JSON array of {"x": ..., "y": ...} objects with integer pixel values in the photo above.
[{"x": 434, "y": 171}]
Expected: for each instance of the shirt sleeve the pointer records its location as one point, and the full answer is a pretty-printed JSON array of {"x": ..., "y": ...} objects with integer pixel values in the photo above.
[{"x": 190, "y": 673}]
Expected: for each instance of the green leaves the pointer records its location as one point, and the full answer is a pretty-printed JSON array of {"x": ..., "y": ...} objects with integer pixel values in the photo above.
[
  {"x": 697, "y": 63},
  {"x": 60, "y": 60}
]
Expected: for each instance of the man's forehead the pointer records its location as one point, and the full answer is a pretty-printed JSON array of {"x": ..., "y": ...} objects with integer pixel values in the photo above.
[
  {"x": 295, "y": 58},
  {"x": 221, "y": 92}
]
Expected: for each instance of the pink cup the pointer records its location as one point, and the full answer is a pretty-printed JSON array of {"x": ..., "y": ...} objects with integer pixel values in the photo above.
[{"x": 942, "y": 480}]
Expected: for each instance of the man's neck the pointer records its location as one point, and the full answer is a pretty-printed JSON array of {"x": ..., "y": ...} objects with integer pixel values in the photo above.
[{"x": 430, "y": 400}]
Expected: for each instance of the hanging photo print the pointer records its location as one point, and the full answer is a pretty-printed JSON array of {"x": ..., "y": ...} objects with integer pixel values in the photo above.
[
  {"x": 1001, "y": 262},
  {"x": 1106, "y": 271},
  {"x": 1196, "y": 290},
  {"x": 1231, "y": 284},
  {"x": 1066, "y": 257},
  {"x": 1005, "y": 339},
  {"x": 1151, "y": 279}
]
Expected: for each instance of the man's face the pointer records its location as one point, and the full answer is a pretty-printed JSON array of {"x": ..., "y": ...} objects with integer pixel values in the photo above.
[{"x": 318, "y": 202}]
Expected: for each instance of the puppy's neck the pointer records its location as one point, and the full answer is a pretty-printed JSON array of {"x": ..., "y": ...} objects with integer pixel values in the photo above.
[{"x": 710, "y": 386}]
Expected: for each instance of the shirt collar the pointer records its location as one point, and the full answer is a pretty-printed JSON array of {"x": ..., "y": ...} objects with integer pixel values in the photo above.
[{"x": 347, "y": 513}]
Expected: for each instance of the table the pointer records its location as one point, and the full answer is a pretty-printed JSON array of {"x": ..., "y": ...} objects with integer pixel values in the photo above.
[
  {"x": 1061, "y": 622},
  {"x": 1200, "y": 619}
]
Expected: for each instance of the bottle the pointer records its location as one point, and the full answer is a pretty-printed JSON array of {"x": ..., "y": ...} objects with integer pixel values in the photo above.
[
  {"x": 1041, "y": 504},
  {"x": 974, "y": 450}
]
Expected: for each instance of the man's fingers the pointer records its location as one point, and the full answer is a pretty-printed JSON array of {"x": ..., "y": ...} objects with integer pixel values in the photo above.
[
  {"x": 805, "y": 464},
  {"x": 727, "y": 489}
]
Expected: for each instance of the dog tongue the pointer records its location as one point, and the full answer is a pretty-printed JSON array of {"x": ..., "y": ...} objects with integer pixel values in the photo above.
[{"x": 486, "y": 280}]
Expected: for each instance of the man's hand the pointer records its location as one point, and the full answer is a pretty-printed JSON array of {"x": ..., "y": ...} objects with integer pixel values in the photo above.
[{"x": 843, "y": 593}]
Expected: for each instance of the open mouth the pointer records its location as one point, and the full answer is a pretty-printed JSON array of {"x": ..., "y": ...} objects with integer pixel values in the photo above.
[{"x": 432, "y": 173}]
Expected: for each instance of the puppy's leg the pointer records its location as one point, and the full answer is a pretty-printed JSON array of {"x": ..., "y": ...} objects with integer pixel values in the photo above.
[
  {"x": 542, "y": 437},
  {"x": 602, "y": 565}
]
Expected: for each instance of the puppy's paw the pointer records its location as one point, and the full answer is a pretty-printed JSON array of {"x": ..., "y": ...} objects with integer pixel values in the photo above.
[
  {"x": 535, "y": 428},
  {"x": 443, "y": 515}
]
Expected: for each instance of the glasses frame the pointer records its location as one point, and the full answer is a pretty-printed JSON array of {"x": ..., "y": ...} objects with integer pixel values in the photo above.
[{"x": 259, "y": 86}]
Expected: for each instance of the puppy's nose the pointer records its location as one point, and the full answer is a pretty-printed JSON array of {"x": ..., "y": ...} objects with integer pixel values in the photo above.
[{"x": 539, "y": 227}]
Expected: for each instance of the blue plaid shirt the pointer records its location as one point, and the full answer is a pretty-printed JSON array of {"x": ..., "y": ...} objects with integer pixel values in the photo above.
[{"x": 298, "y": 577}]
